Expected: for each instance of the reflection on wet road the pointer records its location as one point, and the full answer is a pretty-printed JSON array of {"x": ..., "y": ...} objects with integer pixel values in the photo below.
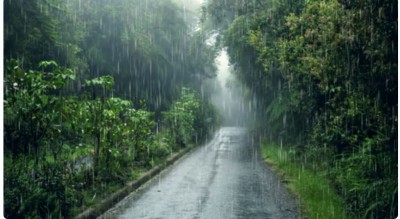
[{"x": 222, "y": 179}]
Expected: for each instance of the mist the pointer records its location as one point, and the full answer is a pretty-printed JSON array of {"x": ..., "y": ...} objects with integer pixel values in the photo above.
[
  {"x": 191, "y": 5},
  {"x": 229, "y": 97}
]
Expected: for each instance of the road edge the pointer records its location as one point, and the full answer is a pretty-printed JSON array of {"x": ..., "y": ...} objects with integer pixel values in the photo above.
[
  {"x": 109, "y": 202},
  {"x": 310, "y": 182},
  {"x": 285, "y": 181}
]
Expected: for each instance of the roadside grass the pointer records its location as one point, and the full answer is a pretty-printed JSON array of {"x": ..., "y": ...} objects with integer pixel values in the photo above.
[{"x": 317, "y": 197}]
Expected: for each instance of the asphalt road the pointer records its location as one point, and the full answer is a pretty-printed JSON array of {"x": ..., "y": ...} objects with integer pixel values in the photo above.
[{"x": 222, "y": 179}]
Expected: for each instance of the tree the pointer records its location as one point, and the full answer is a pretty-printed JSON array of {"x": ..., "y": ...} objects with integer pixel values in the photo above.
[{"x": 325, "y": 74}]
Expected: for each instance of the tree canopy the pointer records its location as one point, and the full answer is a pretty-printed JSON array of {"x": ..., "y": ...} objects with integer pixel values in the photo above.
[
  {"x": 92, "y": 89},
  {"x": 325, "y": 73}
]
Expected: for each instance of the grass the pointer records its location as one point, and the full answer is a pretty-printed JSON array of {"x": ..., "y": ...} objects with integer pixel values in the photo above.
[{"x": 317, "y": 197}]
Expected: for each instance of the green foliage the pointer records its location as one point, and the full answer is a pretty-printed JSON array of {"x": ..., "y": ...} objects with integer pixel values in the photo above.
[
  {"x": 366, "y": 179},
  {"x": 85, "y": 127},
  {"x": 181, "y": 117},
  {"x": 103, "y": 81},
  {"x": 44, "y": 196},
  {"x": 147, "y": 48},
  {"x": 31, "y": 104},
  {"x": 324, "y": 73},
  {"x": 190, "y": 119},
  {"x": 61, "y": 148},
  {"x": 317, "y": 194}
]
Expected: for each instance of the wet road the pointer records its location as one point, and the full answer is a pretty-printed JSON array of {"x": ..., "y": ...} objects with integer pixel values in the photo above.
[{"x": 222, "y": 179}]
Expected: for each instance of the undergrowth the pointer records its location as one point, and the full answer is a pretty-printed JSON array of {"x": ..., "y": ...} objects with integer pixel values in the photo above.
[{"x": 317, "y": 197}]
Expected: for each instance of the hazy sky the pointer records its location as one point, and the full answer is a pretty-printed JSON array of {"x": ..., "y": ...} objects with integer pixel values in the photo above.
[
  {"x": 193, "y": 5},
  {"x": 222, "y": 62}
]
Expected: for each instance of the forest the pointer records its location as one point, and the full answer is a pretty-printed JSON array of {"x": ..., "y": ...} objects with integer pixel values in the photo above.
[
  {"x": 324, "y": 73},
  {"x": 95, "y": 93}
]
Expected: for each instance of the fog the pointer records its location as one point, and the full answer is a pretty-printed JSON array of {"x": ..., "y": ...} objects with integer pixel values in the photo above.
[
  {"x": 225, "y": 92},
  {"x": 191, "y": 5},
  {"x": 228, "y": 96}
]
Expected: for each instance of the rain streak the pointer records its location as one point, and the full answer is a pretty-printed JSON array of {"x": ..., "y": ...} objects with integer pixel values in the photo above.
[{"x": 200, "y": 109}]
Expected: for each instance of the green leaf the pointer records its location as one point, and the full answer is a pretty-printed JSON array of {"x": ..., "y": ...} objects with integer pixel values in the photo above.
[
  {"x": 44, "y": 99},
  {"x": 72, "y": 76},
  {"x": 47, "y": 63}
]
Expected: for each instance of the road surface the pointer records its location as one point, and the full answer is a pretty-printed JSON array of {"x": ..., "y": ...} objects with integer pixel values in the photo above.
[{"x": 222, "y": 179}]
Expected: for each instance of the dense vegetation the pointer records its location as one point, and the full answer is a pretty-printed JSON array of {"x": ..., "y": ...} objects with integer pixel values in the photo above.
[
  {"x": 145, "y": 45},
  {"x": 120, "y": 94},
  {"x": 324, "y": 74}
]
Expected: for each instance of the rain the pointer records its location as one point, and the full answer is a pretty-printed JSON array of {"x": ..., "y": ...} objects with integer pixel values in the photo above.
[{"x": 200, "y": 109}]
